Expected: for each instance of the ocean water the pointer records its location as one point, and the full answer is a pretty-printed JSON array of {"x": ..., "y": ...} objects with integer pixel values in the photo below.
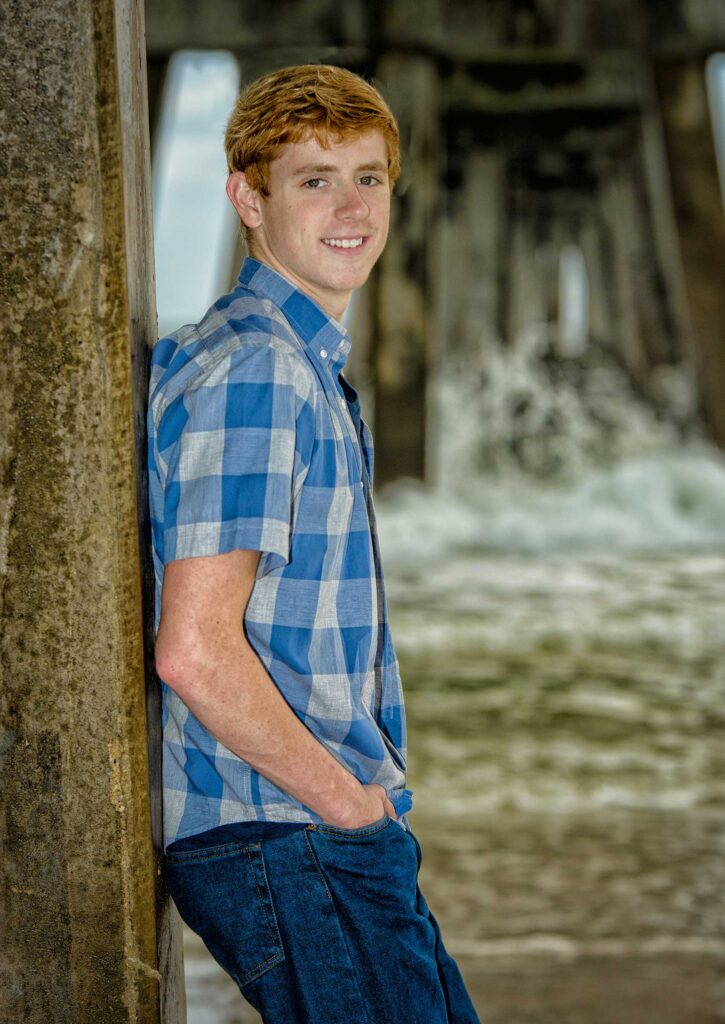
[{"x": 563, "y": 653}]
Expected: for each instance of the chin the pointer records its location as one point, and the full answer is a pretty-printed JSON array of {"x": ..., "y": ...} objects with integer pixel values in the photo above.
[{"x": 355, "y": 280}]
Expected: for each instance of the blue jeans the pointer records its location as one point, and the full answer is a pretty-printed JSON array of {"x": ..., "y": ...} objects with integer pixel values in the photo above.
[{"x": 323, "y": 926}]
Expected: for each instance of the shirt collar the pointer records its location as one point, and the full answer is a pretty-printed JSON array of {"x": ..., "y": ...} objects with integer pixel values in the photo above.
[{"x": 321, "y": 334}]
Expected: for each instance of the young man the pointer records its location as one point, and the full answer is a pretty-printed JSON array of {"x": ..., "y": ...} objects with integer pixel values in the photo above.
[{"x": 284, "y": 732}]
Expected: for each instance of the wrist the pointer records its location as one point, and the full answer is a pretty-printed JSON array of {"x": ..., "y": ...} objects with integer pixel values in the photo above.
[
  {"x": 367, "y": 804},
  {"x": 343, "y": 803}
]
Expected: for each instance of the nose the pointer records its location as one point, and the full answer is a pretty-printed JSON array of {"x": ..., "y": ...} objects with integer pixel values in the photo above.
[{"x": 351, "y": 203}]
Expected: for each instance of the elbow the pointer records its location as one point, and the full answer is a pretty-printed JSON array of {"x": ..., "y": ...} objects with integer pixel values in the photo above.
[{"x": 179, "y": 664}]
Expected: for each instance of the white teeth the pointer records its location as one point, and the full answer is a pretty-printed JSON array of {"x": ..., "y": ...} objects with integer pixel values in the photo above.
[{"x": 343, "y": 243}]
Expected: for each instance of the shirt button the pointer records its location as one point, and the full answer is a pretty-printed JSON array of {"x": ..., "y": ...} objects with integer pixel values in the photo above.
[{"x": 323, "y": 353}]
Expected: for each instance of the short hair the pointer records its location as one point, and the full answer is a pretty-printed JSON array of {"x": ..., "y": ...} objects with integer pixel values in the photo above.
[{"x": 294, "y": 102}]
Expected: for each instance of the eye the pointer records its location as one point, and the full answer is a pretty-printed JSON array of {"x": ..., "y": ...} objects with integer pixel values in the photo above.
[
  {"x": 314, "y": 183},
  {"x": 369, "y": 179}
]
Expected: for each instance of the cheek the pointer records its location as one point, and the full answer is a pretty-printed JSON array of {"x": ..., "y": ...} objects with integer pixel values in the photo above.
[
  {"x": 383, "y": 214},
  {"x": 384, "y": 223}
]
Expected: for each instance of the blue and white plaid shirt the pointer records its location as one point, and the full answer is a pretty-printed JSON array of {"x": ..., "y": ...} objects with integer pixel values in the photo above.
[{"x": 256, "y": 442}]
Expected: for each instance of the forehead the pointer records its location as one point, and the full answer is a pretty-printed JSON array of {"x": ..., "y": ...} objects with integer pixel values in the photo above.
[{"x": 358, "y": 151}]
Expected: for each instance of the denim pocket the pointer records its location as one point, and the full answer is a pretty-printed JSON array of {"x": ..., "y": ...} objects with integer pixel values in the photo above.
[
  {"x": 353, "y": 833},
  {"x": 222, "y": 893}
]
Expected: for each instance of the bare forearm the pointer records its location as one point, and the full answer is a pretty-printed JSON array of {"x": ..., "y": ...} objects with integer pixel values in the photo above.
[
  {"x": 203, "y": 654},
  {"x": 236, "y": 700}
]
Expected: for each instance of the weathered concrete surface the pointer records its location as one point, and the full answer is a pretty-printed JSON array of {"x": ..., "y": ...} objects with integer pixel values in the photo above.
[
  {"x": 700, "y": 223},
  {"x": 77, "y": 872},
  {"x": 404, "y": 328}
]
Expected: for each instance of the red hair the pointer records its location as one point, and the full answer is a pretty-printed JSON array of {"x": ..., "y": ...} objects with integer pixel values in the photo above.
[{"x": 289, "y": 105}]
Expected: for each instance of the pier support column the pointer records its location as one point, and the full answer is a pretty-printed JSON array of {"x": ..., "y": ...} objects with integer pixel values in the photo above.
[
  {"x": 78, "y": 875},
  {"x": 698, "y": 204},
  {"x": 404, "y": 301}
]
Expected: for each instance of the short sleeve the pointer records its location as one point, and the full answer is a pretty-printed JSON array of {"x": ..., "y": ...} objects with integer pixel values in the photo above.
[{"x": 237, "y": 448}]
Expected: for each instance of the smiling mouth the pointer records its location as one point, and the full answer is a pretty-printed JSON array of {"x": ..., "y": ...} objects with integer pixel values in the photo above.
[{"x": 344, "y": 243}]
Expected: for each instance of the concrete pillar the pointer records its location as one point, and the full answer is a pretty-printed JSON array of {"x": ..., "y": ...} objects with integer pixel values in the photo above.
[
  {"x": 700, "y": 223},
  {"x": 78, "y": 876},
  {"x": 404, "y": 335}
]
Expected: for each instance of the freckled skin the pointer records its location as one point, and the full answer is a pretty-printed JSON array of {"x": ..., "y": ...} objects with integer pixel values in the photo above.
[{"x": 317, "y": 193}]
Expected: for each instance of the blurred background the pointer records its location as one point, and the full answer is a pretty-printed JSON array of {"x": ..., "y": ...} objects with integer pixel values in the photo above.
[{"x": 541, "y": 354}]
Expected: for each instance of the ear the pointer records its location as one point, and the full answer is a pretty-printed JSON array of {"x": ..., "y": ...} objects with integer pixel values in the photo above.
[{"x": 244, "y": 199}]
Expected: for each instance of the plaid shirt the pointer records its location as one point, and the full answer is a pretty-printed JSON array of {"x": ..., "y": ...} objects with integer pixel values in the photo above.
[{"x": 256, "y": 442}]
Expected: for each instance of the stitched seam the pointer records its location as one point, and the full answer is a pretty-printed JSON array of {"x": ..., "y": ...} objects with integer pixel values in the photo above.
[
  {"x": 319, "y": 869},
  {"x": 260, "y": 969},
  {"x": 350, "y": 958},
  {"x": 272, "y": 928},
  {"x": 371, "y": 830},
  {"x": 261, "y": 897},
  {"x": 210, "y": 853}
]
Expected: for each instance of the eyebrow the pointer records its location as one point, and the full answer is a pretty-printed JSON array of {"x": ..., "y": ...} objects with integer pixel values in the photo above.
[{"x": 375, "y": 165}]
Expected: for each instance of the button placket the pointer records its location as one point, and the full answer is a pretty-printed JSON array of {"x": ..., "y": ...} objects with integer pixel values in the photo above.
[{"x": 346, "y": 421}]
